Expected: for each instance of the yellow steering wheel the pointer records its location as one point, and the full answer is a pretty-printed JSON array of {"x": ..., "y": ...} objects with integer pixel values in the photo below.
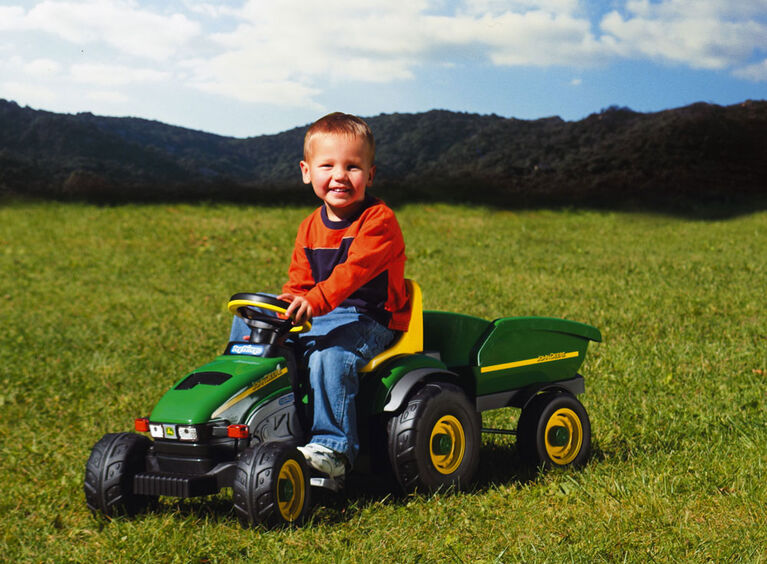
[{"x": 242, "y": 305}]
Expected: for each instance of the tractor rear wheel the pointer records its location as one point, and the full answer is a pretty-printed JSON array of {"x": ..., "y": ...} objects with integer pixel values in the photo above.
[
  {"x": 434, "y": 442},
  {"x": 554, "y": 431}
]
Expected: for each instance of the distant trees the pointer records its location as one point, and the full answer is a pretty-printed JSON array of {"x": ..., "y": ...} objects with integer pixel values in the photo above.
[{"x": 614, "y": 156}]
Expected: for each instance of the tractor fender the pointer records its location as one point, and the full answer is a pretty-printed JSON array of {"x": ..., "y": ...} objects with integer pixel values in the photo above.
[
  {"x": 401, "y": 390},
  {"x": 573, "y": 387},
  {"x": 275, "y": 420}
]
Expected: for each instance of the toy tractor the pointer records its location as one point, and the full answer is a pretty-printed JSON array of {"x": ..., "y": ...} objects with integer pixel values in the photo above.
[{"x": 236, "y": 421}]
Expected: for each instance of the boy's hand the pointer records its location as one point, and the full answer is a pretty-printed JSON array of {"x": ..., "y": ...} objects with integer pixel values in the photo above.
[{"x": 299, "y": 310}]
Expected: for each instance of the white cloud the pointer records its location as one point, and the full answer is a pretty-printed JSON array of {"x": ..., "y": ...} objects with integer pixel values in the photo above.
[
  {"x": 275, "y": 92},
  {"x": 43, "y": 68},
  {"x": 120, "y": 24},
  {"x": 114, "y": 75},
  {"x": 535, "y": 38},
  {"x": 210, "y": 10},
  {"x": 281, "y": 55},
  {"x": 706, "y": 34},
  {"x": 756, "y": 72},
  {"x": 304, "y": 50},
  {"x": 288, "y": 52},
  {"x": 11, "y": 18},
  {"x": 742, "y": 9},
  {"x": 497, "y": 7},
  {"x": 108, "y": 96},
  {"x": 30, "y": 94}
]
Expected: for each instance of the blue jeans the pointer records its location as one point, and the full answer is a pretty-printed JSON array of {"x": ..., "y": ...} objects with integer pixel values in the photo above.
[{"x": 336, "y": 347}]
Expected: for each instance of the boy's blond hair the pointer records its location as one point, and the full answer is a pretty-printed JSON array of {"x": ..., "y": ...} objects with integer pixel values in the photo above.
[{"x": 339, "y": 123}]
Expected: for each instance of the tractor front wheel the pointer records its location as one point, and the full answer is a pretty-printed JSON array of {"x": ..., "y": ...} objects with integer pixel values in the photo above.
[
  {"x": 109, "y": 472},
  {"x": 434, "y": 442},
  {"x": 271, "y": 485}
]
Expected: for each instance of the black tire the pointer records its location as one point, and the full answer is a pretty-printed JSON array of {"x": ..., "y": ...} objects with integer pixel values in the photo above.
[
  {"x": 434, "y": 442},
  {"x": 554, "y": 431},
  {"x": 109, "y": 472},
  {"x": 271, "y": 485}
]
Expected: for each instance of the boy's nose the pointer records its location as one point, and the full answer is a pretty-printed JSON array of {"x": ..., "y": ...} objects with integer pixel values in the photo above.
[{"x": 339, "y": 173}]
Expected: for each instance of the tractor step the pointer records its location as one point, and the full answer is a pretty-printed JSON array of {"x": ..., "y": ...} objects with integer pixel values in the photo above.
[
  {"x": 333, "y": 484},
  {"x": 174, "y": 485},
  {"x": 184, "y": 485}
]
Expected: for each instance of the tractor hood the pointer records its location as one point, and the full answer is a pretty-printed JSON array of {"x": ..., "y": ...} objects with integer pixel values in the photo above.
[{"x": 226, "y": 388}]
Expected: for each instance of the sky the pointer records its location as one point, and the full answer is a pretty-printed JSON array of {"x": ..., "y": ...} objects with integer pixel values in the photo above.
[{"x": 247, "y": 67}]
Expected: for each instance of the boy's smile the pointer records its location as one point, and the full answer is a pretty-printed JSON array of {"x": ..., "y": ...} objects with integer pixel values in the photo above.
[{"x": 339, "y": 169}]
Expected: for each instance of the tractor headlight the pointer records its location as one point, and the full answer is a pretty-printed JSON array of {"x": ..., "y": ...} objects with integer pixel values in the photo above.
[
  {"x": 155, "y": 429},
  {"x": 187, "y": 432}
]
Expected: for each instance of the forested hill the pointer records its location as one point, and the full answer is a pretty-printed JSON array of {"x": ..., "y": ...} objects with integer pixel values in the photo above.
[{"x": 698, "y": 153}]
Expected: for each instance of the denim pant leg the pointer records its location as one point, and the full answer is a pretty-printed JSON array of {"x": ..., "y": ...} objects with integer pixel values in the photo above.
[
  {"x": 339, "y": 344},
  {"x": 240, "y": 331}
]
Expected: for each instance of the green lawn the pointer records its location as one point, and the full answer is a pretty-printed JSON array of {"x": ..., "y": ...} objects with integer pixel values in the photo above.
[{"x": 103, "y": 308}]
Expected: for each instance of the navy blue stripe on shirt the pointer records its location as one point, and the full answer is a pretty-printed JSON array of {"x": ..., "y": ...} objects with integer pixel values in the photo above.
[
  {"x": 369, "y": 299},
  {"x": 323, "y": 261}
]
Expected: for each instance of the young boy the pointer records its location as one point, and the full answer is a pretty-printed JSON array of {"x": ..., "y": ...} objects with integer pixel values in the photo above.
[{"x": 347, "y": 277}]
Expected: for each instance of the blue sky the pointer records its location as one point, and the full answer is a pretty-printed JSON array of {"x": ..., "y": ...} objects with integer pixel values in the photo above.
[{"x": 245, "y": 68}]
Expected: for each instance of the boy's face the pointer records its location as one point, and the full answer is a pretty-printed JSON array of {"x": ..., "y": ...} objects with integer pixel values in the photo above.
[{"x": 339, "y": 169}]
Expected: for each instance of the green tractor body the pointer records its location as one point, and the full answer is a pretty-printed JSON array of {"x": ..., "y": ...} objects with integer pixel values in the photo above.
[{"x": 227, "y": 388}]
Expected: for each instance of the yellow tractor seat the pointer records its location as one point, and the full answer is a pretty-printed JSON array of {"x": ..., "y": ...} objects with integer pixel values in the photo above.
[{"x": 410, "y": 341}]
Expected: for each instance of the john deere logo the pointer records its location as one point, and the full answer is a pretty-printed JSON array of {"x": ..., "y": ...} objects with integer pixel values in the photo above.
[{"x": 551, "y": 356}]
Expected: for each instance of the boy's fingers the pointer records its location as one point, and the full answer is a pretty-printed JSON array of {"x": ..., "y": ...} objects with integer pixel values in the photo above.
[
  {"x": 300, "y": 316},
  {"x": 299, "y": 309},
  {"x": 291, "y": 311},
  {"x": 303, "y": 314}
]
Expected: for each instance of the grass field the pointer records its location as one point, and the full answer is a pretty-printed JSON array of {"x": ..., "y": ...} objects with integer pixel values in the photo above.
[{"x": 103, "y": 308}]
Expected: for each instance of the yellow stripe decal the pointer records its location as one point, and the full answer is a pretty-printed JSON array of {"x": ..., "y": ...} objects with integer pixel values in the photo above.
[
  {"x": 537, "y": 360},
  {"x": 269, "y": 378}
]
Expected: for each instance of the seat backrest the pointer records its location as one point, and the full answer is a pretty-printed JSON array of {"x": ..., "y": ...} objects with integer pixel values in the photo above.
[{"x": 410, "y": 341}]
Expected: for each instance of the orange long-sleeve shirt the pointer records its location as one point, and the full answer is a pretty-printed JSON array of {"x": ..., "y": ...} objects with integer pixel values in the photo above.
[{"x": 356, "y": 262}]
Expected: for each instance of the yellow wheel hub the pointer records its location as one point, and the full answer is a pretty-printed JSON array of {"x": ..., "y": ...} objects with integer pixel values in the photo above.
[
  {"x": 564, "y": 436},
  {"x": 290, "y": 490},
  {"x": 447, "y": 444}
]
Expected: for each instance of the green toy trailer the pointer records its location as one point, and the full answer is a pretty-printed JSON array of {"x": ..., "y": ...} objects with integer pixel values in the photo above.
[{"x": 236, "y": 421}]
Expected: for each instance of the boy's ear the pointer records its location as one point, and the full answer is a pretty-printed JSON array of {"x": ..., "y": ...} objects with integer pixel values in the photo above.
[
  {"x": 305, "y": 172},
  {"x": 371, "y": 175}
]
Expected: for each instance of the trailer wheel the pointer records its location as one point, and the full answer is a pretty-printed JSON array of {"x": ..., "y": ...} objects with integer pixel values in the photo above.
[
  {"x": 554, "y": 431},
  {"x": 115, "y": 459},
  {"x": 434, "y": 443},
  {"x": 271, "y": 485}
]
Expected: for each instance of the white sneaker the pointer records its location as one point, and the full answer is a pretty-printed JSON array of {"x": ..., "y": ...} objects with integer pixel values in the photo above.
[{"x": 324, "y": 460}]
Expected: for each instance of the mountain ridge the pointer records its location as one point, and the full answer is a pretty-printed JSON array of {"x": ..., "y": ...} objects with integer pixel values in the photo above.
[{"x": 701, "y": 152}]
